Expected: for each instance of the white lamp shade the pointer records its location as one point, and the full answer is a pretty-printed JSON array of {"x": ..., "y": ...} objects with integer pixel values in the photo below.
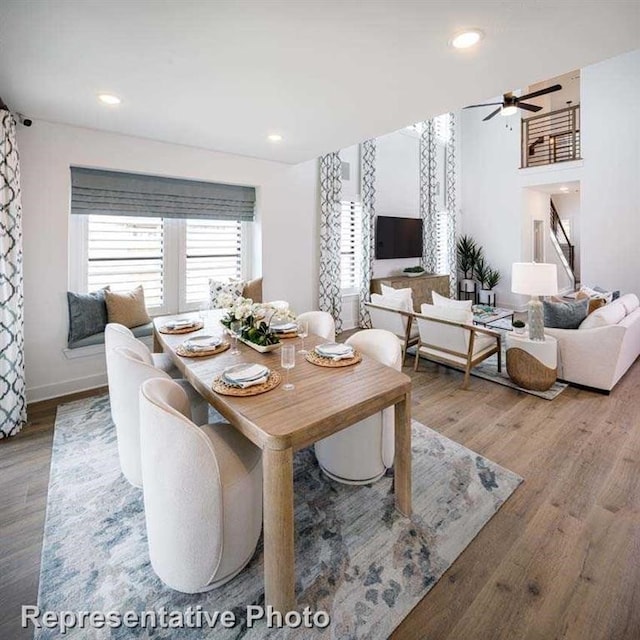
[{"x": 534, "y": 278}]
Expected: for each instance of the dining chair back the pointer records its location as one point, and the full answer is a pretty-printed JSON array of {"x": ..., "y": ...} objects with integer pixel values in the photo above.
[
  {"x": 202, "y": 492},
  {"x": 321, "y": 323},
  {"x": 363, "y": 452}
]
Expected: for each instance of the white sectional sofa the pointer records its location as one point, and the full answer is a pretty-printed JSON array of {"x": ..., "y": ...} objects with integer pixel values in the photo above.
[{"x": 602, "y": 349}]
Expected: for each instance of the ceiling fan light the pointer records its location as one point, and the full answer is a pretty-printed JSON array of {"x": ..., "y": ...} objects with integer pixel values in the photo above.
[
  {"x": 466, "y": 39},
  {"x": 509, "y": 110}
]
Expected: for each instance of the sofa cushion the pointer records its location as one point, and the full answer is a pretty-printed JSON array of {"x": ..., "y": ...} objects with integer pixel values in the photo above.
[
  {"x": 223, "y": 294},
  {"x": 87, "y": 314},
  {"x": 392, "y": 301},
  {"x": 127, "y": 308},
  {"x": 564, "y": 315},
  {"x": 98, "y": 338},
  {"x": 630, "y": 302},
  {"x": 611, "y": 313},
  {"x": 443, "y": 301}
]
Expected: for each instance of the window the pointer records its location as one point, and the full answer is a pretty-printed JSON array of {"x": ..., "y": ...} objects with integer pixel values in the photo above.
[
  {"x": 350, "y": 245},
  {"x": 172, "y": 258}
]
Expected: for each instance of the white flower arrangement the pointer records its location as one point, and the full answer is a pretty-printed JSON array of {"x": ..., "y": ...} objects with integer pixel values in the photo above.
[{"x": 256, "y": 318}]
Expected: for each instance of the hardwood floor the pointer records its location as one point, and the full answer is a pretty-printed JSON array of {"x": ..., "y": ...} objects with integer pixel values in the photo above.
[{"x": 561, "y": 559}]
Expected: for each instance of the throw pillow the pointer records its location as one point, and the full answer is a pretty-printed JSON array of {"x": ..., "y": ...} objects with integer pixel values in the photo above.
[
  {"x": 405, "y": 294},
  {"x": 87, "y": 314},
  {"x": 391, "y": 301},
  {"x": 219, "y": 292},
  {"x": 564, "y": 315},
  {"x": 442, "y": 301},
  {"x": 253, "y": 290},
  {"x": 614, "y": 294},
  {"x": 127, "y": 308}
]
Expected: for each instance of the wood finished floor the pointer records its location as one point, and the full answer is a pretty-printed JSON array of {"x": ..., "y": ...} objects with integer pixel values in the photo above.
[{"x": 561, "y": 559}]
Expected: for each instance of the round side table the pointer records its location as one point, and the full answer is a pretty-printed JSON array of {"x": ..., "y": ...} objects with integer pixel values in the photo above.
[{"x": 532, "y": 364}]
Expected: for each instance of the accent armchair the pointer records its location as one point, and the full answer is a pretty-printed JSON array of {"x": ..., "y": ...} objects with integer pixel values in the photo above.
[{"x": 448, "y": 336}]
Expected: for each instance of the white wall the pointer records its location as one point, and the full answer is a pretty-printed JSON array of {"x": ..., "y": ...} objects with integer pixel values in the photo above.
[
  {"x": 397, "y": 188},
  {"x": 492, "y": 201},
  {"x": 286, "y": 214},
  {"x": 610, "y": 190}
]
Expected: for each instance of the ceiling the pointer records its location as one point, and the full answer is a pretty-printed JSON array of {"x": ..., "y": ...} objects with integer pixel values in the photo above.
[{"x": 325, "y": 74}]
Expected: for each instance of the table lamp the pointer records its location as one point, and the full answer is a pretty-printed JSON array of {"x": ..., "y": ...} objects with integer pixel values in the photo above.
[{"x": 535, "y": 279}]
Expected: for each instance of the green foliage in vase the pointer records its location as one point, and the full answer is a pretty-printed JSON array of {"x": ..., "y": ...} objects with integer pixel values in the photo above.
[
  {"x": 417, "y": 269},
  {"x": 259, "y": 333},
  {"x": 468, "y": 253}
]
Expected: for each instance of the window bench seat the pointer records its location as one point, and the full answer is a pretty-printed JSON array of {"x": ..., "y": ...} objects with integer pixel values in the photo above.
[{"x": 94, "y": 345}]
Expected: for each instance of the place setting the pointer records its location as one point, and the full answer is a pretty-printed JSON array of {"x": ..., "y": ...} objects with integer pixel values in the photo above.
[
  {"x": 246, "y": 379},
  {"x": 202, "y": 346},
  {"x": 181, "y": 326},
  {"x": 333, "y": 354}
]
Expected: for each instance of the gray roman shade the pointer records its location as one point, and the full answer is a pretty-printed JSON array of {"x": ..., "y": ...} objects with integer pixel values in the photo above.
[{"x": 128, "y": 194}]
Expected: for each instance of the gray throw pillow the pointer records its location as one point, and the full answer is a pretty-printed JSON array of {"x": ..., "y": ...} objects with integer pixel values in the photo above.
[
  {"x": 565, "y": 315},
  {"x": 87, "y": 314}
]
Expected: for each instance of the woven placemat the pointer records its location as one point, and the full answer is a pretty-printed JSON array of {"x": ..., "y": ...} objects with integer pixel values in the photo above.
[
  {"x": 196, "y": 327},
  {"x": 202, "y": 353},
  {"x": 224, "y": 389},
  {"x": 314, "y": 358}
]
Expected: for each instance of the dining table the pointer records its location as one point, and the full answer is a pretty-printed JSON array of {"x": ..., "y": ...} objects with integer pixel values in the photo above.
[{"x": 324, "y": 401}]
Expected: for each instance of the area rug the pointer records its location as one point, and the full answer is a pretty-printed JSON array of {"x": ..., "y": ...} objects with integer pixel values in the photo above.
[{"x": 357, "y": 558}]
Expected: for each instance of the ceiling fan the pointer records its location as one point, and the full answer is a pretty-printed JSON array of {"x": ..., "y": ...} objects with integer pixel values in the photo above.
[{"x": 510, "y": 103}]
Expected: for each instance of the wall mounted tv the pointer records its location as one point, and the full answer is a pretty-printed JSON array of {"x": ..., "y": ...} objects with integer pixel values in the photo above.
[{"x": 398, "y": 237}]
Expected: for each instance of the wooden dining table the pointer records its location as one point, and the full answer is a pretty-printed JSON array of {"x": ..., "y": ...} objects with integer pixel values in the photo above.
[{"x": 323, "y": 402}]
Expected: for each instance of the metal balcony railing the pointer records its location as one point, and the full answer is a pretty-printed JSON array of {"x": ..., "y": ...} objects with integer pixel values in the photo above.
[{"x": 551, "y": 137}]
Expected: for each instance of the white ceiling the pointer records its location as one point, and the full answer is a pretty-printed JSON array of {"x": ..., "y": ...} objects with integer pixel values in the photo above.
[{"x": 325, "y": 74}]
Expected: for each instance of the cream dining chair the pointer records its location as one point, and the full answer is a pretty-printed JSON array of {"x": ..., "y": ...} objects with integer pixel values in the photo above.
[
  {"x": 361, "y": 454},
  {"x": 202, "y": 492},
  {"x": 127, "y": 370},
  {"x": 321, "y": 323}
]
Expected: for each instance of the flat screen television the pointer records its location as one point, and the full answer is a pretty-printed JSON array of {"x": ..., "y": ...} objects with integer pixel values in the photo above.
[{"x": 398, "y": 237}]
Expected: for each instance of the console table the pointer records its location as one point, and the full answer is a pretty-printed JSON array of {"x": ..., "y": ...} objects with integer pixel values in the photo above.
[{"x": 421, "y": 286}]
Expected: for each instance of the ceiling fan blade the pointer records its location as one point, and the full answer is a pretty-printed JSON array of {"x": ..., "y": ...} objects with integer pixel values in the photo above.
[
  {"x": 493, "y": 113},
  {"x": 529, "y": 107},
  {"x": 486, "y": 104},
  {"x": 541, "y": 92}
]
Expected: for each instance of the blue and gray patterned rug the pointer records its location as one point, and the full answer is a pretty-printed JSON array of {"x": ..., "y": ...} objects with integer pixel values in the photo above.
[{"x": 356, "y": 557}]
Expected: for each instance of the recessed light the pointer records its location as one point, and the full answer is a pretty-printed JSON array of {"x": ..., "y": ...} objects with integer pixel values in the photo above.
[
  {"x": 466, "y": 39},
  {"x": 564, "y": 189},
  {"x": 274, "y": 137},
  {"x": 109, "y": 98}
]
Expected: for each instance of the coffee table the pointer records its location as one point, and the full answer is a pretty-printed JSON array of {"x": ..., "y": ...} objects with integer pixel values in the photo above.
[{"x": 486, "y": 316}]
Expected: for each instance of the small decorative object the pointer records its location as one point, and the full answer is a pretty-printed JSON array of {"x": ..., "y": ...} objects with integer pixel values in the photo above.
[
  {"x": 414, "y": 272},
  {"x": 255, "y": 322},
  {"x": 535, "y": 279},
  {"x": 518, "y": 326}
]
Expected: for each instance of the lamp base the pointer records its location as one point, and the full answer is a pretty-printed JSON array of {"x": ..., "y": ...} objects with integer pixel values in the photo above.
[{"x": 536, "y": 320}]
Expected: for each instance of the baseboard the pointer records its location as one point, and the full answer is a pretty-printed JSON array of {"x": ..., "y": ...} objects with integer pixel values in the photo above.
[{"x": 66, "y": 387}]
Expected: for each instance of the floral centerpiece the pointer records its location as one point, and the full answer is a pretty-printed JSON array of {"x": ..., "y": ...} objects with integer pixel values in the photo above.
[{"x": 256, "y": 320}]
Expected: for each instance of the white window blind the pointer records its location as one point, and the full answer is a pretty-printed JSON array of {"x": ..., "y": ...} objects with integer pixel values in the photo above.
[
  {"x": 213, "y": 250},
  {"x": 124, "y": 252},
  {"x": 350, "y": 241}
]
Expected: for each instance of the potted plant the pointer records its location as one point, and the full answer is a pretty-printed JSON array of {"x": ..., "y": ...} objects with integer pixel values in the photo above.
[
  {"x": 518, "y": 326},
  {"x": 488, "y": 279},
  {"x": 468, "y": 253},
  {"x": 413, "y": 272}
]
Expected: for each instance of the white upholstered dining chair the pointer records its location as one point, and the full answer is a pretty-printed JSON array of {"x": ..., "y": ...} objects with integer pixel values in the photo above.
[
  {"x": 117, "y": 335},
  {"x": 361, "y": 454},
  {"x": 127, "y": 370},
  {"x": 321, "y": 323},
  {"x": 202, "y": 492}
]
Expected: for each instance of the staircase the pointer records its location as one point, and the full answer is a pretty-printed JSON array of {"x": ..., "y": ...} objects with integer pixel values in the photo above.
[{"x": 562, "y": 243}]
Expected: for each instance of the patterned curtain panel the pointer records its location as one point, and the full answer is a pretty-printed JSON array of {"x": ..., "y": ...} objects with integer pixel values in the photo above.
[
  {"x": 330, "y": 296},
  {"x": 368, "y": 189},
  {"x": 428, "y": 195},
  {"x": 13, "y": 413},
  {"x": 451, "y": 179}
]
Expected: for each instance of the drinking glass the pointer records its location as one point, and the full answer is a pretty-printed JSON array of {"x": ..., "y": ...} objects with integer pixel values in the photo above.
[
  {"x": 303, "y": 332},
  {"x": 203, "y": 314},
  {"x": 288, "y": 361},
  {"x": 234, "y": 330}
]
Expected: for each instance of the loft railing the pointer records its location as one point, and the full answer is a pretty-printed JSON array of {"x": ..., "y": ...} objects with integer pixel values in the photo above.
[
  {"x": 551, "y": 137},
  {"x": 561, "y": 236}
]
